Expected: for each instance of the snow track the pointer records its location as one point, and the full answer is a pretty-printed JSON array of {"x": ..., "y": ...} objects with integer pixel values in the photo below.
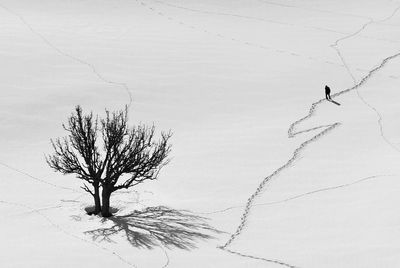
[
  {"x": 261, "y": 259},
  {"x": 93, "y": 68},
  {"x": 233, "y": 39},
  {"x": 251, "y": 44},
  {"x": 56, "y": 226},
  {"x": 38, "y": 211},
  {"x": 303, "y": 195},
  {"x": 264, "y": 20},
  {"x": 292, "y": 133},
  {"x": 166, "y": 256},
  {"x": 39, "y": 180},
  {"x": 336, "y": 47},
  {"x": 312, "y": 9}
]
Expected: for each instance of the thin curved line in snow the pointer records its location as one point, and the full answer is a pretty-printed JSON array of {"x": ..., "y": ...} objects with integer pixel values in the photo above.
[
  {"x": 335, "y": 46},
  {"x": 312, "y": 9},
  {"x": 301, "y": 195},
  {"x": 260, "y": 258},
  {"x": 233, "y": 39},
  {"x": 37, "y": 179},
  {"x": 58, "y": 227},
  {"x": 166, "y": 256},
  {"x": 296, "y": 153},
  {"x": 65, "y": 54},
  {"x": 265, "y": 20}
]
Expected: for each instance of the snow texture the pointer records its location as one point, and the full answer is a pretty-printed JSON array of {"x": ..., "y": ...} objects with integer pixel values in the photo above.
[{"x": 265, "y": 171}]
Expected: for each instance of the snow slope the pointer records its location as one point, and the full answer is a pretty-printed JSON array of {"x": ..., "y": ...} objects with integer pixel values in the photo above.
[{"x": 234, "y": 80}]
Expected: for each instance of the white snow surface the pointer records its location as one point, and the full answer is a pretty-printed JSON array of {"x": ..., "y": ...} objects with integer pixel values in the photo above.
[{"x": 289, "y": 179}]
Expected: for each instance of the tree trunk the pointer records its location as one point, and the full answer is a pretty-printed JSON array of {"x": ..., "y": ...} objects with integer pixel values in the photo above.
[
  {"x": 105, "y": 208},
  {"x": 97, "y": 203},
  {"x": 96, "y": 197}
]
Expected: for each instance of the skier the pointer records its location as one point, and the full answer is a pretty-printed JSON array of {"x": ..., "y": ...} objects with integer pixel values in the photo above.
[{"x": 327, "y": 93}]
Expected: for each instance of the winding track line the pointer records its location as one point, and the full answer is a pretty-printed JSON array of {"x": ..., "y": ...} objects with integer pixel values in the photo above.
[
  {"x": 58, "y": 227},
  {"x": 59, "y": 205},
  {"x": 312, "y": 9},
  {"x": 39, "y": 180},
  {"x": 292, "y": 133},
  {"x": 266, "y": 20},
  {"x": 166, "y": 256},
  {"x": 233, "y": 39},
  {"x": 223, "y": 14},
  {"x": 300, "y": 195},
  {"x": 261, "y": 259},
  {"x": 38, "y": 212},
  {"x": 246, "y": 43},
  {"x": 335, "y": 46},
  {"x": 74, "y": 58}
]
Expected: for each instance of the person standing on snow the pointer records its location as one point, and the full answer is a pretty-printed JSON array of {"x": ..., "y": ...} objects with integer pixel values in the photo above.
[{"x": 327, "y": 93}]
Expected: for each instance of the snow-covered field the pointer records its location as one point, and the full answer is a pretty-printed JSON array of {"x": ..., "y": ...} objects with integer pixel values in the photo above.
[{"x": 285, "y": 179}]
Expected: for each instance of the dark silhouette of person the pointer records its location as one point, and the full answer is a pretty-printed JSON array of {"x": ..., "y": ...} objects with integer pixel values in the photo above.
[{"x": 327, "y": 93}]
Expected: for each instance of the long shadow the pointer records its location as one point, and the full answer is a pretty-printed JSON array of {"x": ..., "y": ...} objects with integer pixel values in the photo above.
[
  {"x": 157, "y": 225},
  {"x": 337, "y": 103}
]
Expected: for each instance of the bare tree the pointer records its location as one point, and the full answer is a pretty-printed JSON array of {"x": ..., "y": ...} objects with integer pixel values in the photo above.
[{"x": 129, "y": 155}]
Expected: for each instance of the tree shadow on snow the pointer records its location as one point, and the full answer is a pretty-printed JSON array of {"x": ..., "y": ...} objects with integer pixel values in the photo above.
[{"x": 157, "y": 225}]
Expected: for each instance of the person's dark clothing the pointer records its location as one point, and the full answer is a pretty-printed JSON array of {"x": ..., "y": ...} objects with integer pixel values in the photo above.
[{"x": 327, "y": 93}]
